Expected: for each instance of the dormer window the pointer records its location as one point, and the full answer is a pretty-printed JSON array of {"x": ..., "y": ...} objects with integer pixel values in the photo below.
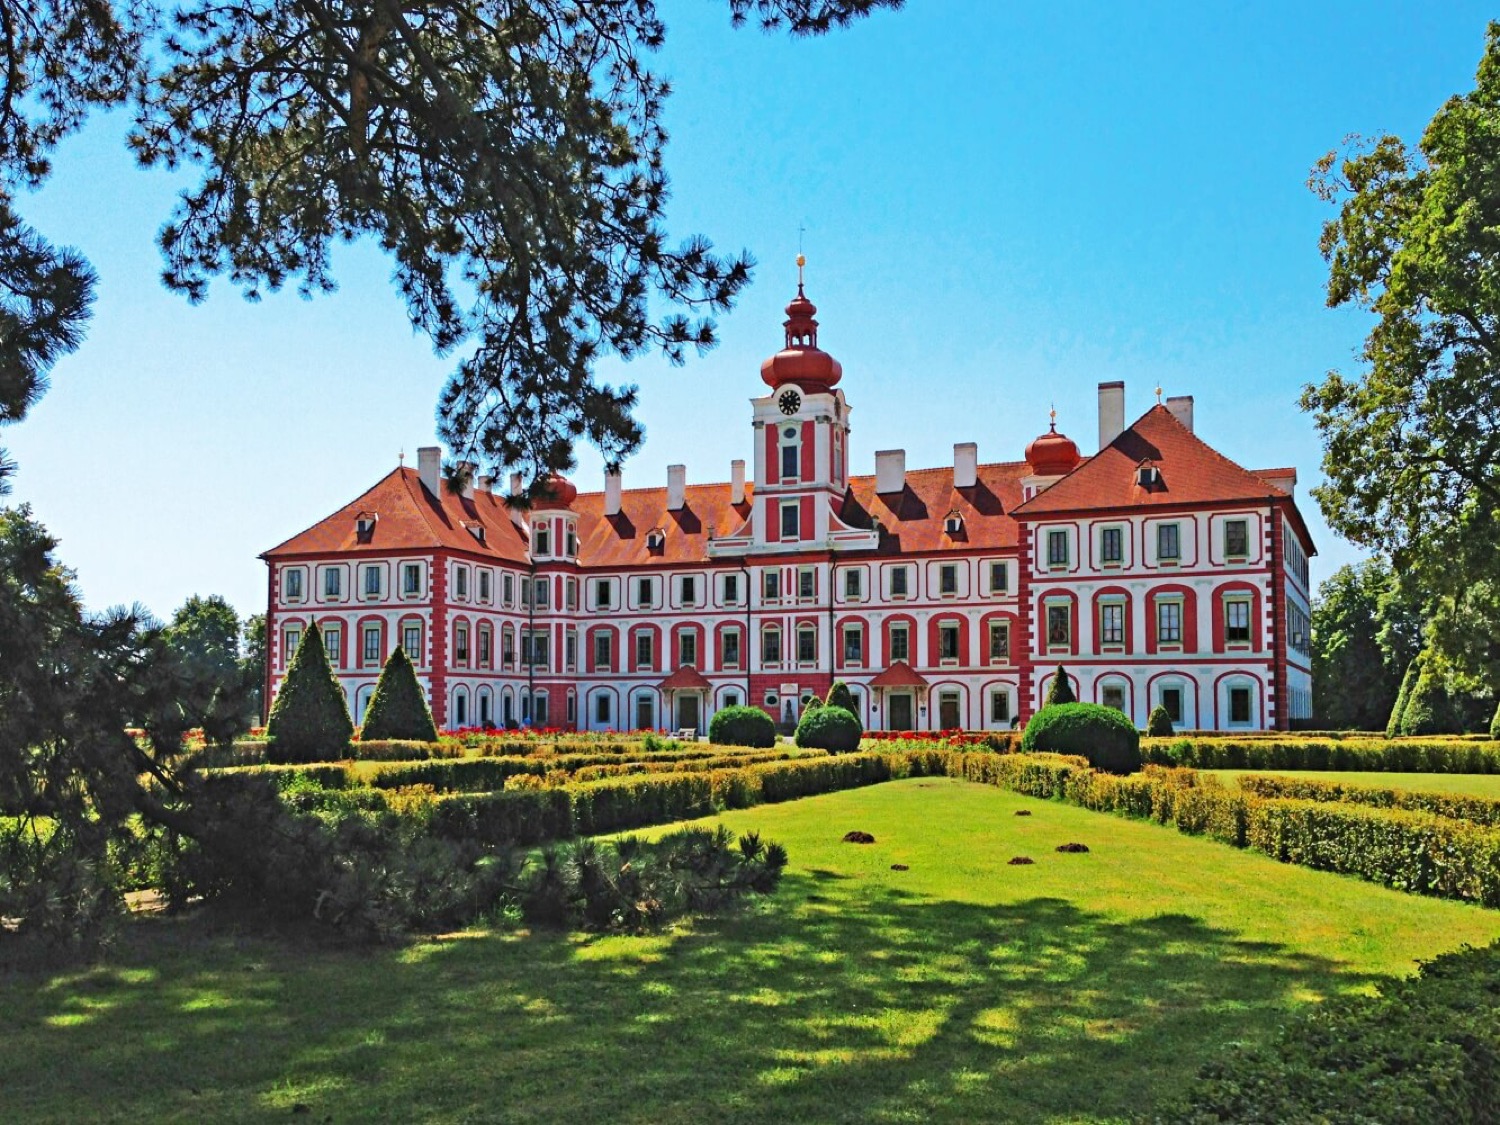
[
  {"x": 364, "y": 526},
  {"x": 1147, "y": 476},
  {"x": 656, "y": 539},
  {"x": 954, "y": 524},
  {"x": 477, "y": 531}
]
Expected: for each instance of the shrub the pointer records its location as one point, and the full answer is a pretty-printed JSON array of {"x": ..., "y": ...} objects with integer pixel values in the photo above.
[
  {"x": 1061, "y": 689},
  {"x": 398, "y": 709},
  {"x": 1101, "y": 734},
  {"x": 1428, "y": 708},
  {"x": 1495, "y": 723},
  {"x": 1159, "y": 724},
  {"x": 839, "y": 695},
  {"x": 310, "y": 718},
  {"x": 1415, "y": 755},
  {"x": 1455, "y": 806},
  {"x": 1393, "y": 724},
  {"x": 742, "y": 726},
  {"x": 829, "y": 728}
]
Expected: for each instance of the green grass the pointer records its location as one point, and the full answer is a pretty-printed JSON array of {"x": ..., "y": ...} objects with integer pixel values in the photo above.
[
  {"x": 964, "y": 989},
  {"x": 1469, "y": 784}
]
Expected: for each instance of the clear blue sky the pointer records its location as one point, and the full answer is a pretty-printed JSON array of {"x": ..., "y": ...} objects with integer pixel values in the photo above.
[{"x": 1004, "y": 205}]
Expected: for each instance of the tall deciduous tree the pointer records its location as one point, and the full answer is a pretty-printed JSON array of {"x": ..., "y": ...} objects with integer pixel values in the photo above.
[
  {"x": 1412, "y": 445},
  {"x": 1366, "y": 631}
]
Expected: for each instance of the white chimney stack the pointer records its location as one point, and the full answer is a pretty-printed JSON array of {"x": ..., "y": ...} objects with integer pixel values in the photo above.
[
  {"x": 736, "y": 482},
  {"x": 515, "y": 484},
  {"x": 612, "y": 493},
  {"x": 1181, "y": 407},
  {"x": 486, "y": 484},
  {"x": 965, "y": 464},
  {"x": 890, "y": 471},
  {"x": 676, "y": 487},
  {"x": 1111, "y": 411},
  {"x": 430, "y": 468},
  {"x": 470, "y": 472},
  {"x": 1284, "y": 479}
]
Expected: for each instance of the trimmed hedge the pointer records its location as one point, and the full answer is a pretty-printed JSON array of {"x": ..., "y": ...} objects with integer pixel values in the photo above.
[
  {"x": 1159, "y": 723},
  {"x": 742, "y": 726},
  {"x": 830, "y": 728},
  {"x": 310, "y": 715},
  {"x": 1455, "y": 806},
  {"x": 1427, "y": 755},
  {"x": 1103, "y": 735},
  {"x": 398, "y": 709}
]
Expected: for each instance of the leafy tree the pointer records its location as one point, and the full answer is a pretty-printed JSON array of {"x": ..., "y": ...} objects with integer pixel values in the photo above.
[
  {"x": 310, "y": 719},
  {"x": 216, "y": 690},
  {"x": 398, "y": 709},
  {"x": 254, "y": 663},
  {"x": 1060, "y": 690},
  {"x": 1366, "y": 629},
  {"x": 1159, "y": 723},
  {"x": 1412, "y": 444}
]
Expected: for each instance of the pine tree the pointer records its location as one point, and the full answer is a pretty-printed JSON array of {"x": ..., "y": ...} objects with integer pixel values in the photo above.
[
  {"x": 1408, "y": 681},
  {"x": 310, "y": 719},
  {"x": 1061, "y": 690},
  {"x": 398, "y": 709}
]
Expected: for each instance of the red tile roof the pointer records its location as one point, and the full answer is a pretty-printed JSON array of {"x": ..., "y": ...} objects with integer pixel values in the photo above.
[
  {"x": 1191, "y": 473},
  {"x": 686, "y": 678},
  {"x": 620, "y": 540},
  {"x": 913, "y": 519},
  {"x": 899, "y": 675}
]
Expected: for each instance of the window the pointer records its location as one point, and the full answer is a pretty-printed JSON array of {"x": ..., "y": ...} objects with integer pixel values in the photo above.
[
  {"x": 999, "y": 706},
  {"x": 507, "y": 647},
  {"x": 1171, "y": 703},
  {"x": 601, "y": 708},
  {"x": 948, "y": 579},
  {"x": 602, "y": 650},
  {"x": 898, "y": 582},
  {"x": 572, "y": 540},
  {"x": 770, "y": 646},
  {"x": 1239, "y": 705},
  {"x": 1168, "y": 543},
  {"x": 411, "y": 641},
  {"x": 1059, "y": 625},
  {"x": 486, "y": 647},
  {"x": 687, "y": 589},
  {"x": 1169, "y": 622},
  {"x": 948, "y": 642},
  {"x": 645, "y": 713},
  {"x": 789, "y": 520},
  {"x": 411, "y": 579},
  {"x": 731, "y": 699},
  {"x": 1112, "y": 623},
  {"x": 853, "y": 585},
  {"x": 543, "y": 593},
  {"x": 1112, "y": 546},
  {"x": 645, "y": 591},
  {"x": 854, "y": 645},
  {"x": 1237, "y": 621},
  {"x": 293, "y": 637},
  {"x": 771, "y": 581},
  {"x": 461, "y": 582},
  {"x": 333, "y": 582},
  {"x": 541, "y": 540},
  {"x": 370, "y": 648},
  {"x": 789, "y": 461},
  {"x": 732, "y": 649},
  {"x": 603, "y": 596},
  {"x": 900, "y": 643},
  {"x": 570, "y": 650},
  {"x": 292, "y": 585},
  {"x": 571, "y": 588},
  {"x": 807, "y": 584},
  {"x": 508, "y": 589},
  {"x": 461, "y": 645},
  {"x": 807, "y": 645},
  {"x": 461, "y": 708},
  {"x": 1113, "y": 695},
  {"x": 644, "y": 650},
  {"x": 999, "y": 640},
  {"x": 687, "y": 648},
  {"x": 1057, "y": 548},
  {"x": 999, "y": 577},
  {"x": 484, "y": 586},
  {"x": 1236, "y": 538},
  {"x": 731, "y": 589},
  {"x": 372, "y": 581},
  {"x": 536, "y": 649},
  {"x": 334, "y": 640}
]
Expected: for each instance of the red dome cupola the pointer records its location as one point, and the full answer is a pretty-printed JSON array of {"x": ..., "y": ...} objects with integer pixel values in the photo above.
[
  {"x": 802, "y": 362},
  {"x": 1053, "y": 454},
  {"x": 555, "y": 493}
]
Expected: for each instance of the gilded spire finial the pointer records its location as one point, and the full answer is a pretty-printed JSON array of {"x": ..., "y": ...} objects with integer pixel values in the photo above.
[
  {"x": 1053, "y": 415},
  {"x": 1158, "y": 394},
  {"x": 801, "y": 261}
]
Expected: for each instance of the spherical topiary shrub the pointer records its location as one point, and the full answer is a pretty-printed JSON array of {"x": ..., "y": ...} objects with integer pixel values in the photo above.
[
  {"x": 829, "y": 728},
  {"x": 1103, "y": 735},
  {"x": 742, "y": 726},
  {"x": 1159, "y": 724}
]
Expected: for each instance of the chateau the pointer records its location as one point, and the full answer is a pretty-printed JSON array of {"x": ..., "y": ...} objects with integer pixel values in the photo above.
[{"x": 1156, "y": 571}]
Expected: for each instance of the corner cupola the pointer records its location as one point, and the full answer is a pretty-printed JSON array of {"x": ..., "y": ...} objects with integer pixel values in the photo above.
[
  {"x": 1053, "y": 454},
  {"x": 802, "y": 362},
  {"x": 554, "y": 494}
]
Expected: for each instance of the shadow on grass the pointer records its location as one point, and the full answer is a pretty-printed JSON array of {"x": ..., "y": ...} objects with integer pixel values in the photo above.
[{"x": 837, "y": 1001}]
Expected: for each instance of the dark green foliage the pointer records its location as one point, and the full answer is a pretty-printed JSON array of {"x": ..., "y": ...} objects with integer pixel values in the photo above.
[
  {"x": 1061, "y": 689},
  {"x": 829, "y": 728},
  {"x": 1365, "y": 630},
  {"x": 1159, "y": 724},
  {"x": 1429, "y": 710},
  {"x": 216, "y": 690},
  {"x": 1425, "y": 1050},
  {"x": 1101, "y": 734},
  {"x": 1433, "y": 755},
  {"x": 1495, "y": 723},
  {"x": 1456, "y": 806},
  {"x": 1403, "y": 694},
  {"x": 839, "y": 695},
  {"x": 398, "y": 709},
  {"x": 742, "y": 726},
  {"x": 310, "y": 718}
]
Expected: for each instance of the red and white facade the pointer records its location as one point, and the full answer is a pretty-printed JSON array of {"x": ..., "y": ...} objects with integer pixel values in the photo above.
[{"x": 1155, "y": 571}]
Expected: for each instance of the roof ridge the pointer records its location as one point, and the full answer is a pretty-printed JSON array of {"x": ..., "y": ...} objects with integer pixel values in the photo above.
[{"x": 319, "y": 523}]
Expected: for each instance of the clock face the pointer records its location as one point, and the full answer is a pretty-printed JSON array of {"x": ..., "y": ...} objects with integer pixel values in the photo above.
[{"x": 790, "y": 402}]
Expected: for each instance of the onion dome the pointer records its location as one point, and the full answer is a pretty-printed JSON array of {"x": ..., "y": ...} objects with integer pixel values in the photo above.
[
  {"x": 802, "y": 362},
  {"x": 555, "y": 492},
  {"x": 1053, "y": 454}
]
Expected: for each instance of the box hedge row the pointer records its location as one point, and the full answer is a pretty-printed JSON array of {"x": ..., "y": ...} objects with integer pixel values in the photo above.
[
  {"x": 1428, "y": 755},
  {"x": 1455, "y": 806}
]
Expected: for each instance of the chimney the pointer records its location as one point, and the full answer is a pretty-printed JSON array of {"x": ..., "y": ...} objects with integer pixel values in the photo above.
[
  {"x": 486, "y": 484},
  {"x": 470, "y": 472},
  {"x": 965, "y": 464},
  {"x": 430, "y": 468},
  {"x": 890, "y": 471},
  {"x": 515, "y": 484},
  {"x": 1284, "y": 479},
  {"x": 676, "y": 487},
  {"x": 1181, "y": 407},
  {"x": 736, "y": 482},
  {"x": 612, "y": 493},
  {"x": 1111, "y": 411}
]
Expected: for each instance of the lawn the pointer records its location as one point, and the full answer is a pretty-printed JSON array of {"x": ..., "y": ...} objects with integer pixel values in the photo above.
[
  {"x": 963, "y": 989},
  {"x": 1469, "y": 784}
]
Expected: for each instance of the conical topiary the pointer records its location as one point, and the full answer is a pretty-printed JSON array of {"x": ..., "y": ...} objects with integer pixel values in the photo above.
[
  {"x": 1428, "y": 708},
  {"x": 310, "y": 719},
  {"x": 1159, "y": 723},
  {"x": 1393, "y": 724},
  {"x": 1495, "y": 723},
  {"x": 1061, "y": 690},
  {"x": 398, "y": 709},
  {"x": 839, "y": 695}
]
